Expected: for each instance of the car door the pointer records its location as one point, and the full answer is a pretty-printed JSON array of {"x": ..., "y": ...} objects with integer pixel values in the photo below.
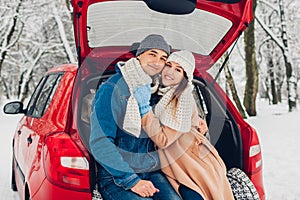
[
  {"x": 29, "y": 137},
  {"x": 23, "y": 132}
]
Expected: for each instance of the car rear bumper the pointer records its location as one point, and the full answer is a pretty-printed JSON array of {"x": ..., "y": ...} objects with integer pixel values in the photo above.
[
  {"x": 49, "y": 191},
  {"x": 257, "y": 179}
]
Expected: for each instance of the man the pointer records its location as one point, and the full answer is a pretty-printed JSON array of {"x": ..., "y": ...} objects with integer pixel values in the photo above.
[{"x": 128, "y": 163}]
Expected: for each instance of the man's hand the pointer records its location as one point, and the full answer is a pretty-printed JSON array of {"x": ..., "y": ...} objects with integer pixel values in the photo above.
[
  {"x": 142, "y": 94},
  {"x": 144, "y": 188}
]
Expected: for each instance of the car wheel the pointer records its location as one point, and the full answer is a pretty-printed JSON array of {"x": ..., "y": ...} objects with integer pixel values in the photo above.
[
  {"x": 27, "y": 194},
  {"x": 13, "y": 178},
  {"x": 242, "y": 187},
  {"x": 96, "y": 195}
]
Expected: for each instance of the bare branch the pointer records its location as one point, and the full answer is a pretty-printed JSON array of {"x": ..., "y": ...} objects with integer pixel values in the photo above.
[{"x": 270, "y": 33}]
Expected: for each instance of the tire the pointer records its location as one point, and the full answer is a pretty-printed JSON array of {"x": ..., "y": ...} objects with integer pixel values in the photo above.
[
  {"x": 13, "y": 184},
  {"x": 96, "y": 195},
  {"x": 242, "y": 187}
]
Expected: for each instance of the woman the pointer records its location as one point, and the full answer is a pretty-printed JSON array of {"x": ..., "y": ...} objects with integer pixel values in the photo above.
[{"x": 191, "y": 163}]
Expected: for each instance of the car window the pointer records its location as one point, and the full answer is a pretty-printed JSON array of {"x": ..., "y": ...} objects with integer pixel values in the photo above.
[
  {"x": 108, "y": 28},
  {"x": 200, "y": 101},
  {"x": 55, "y": 85},
  {"x": 43, "y": 95},
  {"x": 31, "y": 104}
]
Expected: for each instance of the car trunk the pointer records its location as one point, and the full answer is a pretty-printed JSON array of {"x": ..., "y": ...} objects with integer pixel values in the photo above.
[
  {"x": 109, "y": 31},
  {"x": 223, "y": 129}
]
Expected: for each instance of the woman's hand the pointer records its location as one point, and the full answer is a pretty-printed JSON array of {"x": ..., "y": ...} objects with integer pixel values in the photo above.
[{"x": 202, "y": 128}]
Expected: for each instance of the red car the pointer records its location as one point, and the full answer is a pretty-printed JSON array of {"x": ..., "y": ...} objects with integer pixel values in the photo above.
[{"x": 51, "y": 157}]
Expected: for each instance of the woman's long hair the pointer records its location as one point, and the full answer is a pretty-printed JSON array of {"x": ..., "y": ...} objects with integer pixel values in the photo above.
[{"x": 179, "y": 90}]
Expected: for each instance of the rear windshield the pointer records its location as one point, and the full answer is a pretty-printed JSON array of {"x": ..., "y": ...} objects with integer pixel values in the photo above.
[{"x": 121, "y": 23}]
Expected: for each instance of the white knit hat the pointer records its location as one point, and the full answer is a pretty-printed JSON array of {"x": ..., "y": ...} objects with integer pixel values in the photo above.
[{"x": 186, "y": 60}]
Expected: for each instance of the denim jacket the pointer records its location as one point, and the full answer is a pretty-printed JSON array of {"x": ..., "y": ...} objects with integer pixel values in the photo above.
[{"x": 121, "y": 154}]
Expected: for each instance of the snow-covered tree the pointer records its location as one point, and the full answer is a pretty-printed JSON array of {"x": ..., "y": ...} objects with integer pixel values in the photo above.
[
  {"x": 10, "y": 31},
  {"x": 46, "y": 41},
  {"x": 277, "y": 47}
]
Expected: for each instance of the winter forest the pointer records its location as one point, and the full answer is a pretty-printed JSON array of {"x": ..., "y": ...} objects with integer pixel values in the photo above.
[{"x": 36, "y": 35}]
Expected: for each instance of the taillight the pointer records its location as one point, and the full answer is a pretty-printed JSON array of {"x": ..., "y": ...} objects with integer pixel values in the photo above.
[
  {"x": 255, "y": 154},
  {"x": 252, "y": 150},
  {"x": 64, "y": 163},
  {"x": 253, "y": 158}
]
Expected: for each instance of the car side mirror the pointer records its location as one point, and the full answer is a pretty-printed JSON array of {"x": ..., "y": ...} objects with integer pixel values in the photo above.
[
  {"x": 14, "y": 107},
  {"x": 178, "y": 7}
]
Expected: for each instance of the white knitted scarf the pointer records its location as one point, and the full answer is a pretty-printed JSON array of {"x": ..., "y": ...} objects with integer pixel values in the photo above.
[
  {"x": 178, "y": 118},
  {"x": 134, "y": 76}
]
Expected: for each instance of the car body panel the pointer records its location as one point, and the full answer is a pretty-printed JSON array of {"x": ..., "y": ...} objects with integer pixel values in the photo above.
[
  {"x": 31, "y": 132},
  {"x": 50, "y": 191}
]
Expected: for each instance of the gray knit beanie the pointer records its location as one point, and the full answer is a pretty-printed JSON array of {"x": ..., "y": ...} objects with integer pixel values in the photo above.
[
  {"x": 186, "y": 60},
  {"x": 153, "y": 41}
]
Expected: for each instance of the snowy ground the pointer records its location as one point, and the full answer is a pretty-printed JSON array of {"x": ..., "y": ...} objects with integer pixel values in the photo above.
[
  {"x": 7, "y": 125},
  {"x": 279, "y": 135}
]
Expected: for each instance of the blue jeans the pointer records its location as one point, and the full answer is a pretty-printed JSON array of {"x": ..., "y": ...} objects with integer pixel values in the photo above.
[
  {"x": 110, "y": 191},
  {"x": 188, "y": 193}
]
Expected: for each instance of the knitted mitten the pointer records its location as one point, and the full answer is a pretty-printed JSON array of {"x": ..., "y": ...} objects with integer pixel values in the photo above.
[{"x": 142, "y": 95}]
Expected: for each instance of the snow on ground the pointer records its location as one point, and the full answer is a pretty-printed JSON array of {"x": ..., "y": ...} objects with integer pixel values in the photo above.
[
  {"x": 279, "y": 132},
  {"x": 7, "y": 125},
  {"x": 279, "y": 135}
]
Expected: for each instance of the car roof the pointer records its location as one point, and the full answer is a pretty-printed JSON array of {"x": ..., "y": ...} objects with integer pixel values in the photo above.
[{"x": 64, "y": 68}]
